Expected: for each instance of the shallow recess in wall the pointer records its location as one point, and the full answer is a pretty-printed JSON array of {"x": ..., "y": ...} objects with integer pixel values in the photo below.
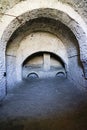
[{"x": 43, "y": 65}]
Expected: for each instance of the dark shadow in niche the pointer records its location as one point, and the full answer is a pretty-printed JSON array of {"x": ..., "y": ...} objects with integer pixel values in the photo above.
[
  {"x": 32, "y": 56},
  {"x": 34, "y": 70},
  {"x": 57, "y": 58}
]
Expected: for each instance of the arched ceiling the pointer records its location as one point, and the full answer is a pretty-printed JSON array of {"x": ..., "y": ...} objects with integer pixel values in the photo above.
[
  {"x": 26, "y": 10},
  {"x": 72, "y": 13}
]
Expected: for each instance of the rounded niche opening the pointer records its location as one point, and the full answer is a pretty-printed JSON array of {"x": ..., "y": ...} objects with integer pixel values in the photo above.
[{"x": 43, "y": 65}]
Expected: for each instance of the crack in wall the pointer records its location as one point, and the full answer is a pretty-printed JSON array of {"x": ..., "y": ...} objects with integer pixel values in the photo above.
[
  {"x": 10, "y": 55},
  {"x": 73, "y": 56},
  {"x": 11, "y": 16},
  {"x": 7, "y": 14}
]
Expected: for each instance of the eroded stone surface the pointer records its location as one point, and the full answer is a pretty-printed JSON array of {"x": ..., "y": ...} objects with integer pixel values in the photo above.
[{"x": 71, "y": 13}]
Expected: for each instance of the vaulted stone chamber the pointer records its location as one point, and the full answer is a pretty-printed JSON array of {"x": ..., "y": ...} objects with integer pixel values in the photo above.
[
  {"x": 39, "y": 46},
  {"x": 42, "y": 41}
]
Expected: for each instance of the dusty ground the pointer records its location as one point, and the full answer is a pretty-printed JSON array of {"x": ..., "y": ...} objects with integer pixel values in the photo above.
[{"x": 44, "y": 104}]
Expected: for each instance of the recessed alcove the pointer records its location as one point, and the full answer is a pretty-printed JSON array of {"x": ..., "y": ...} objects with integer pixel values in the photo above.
[
  {"x": 43, "y": 35},
  {"x": 44, "y": 65}
]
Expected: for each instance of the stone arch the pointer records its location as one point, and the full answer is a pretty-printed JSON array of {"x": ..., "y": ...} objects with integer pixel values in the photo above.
[
  {"x": 34, "y": 44},
  {"x": 26, "y": 10}
]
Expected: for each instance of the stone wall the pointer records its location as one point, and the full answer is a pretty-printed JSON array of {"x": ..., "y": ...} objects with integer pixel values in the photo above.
[
  {"x": 79, "y": 5},
  {"x": 63, "y": 33},
  {"x": 64, "y": 18},
  {"x": 69, "y": 41},
  {"x": 36, "y": 42}
]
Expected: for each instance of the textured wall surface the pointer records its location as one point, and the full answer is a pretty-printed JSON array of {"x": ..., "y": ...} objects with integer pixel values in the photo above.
[
  {"x": 67, "y": 20},
  {"x": 79, "y": 5},
  {"x": 36, "y": 42}
]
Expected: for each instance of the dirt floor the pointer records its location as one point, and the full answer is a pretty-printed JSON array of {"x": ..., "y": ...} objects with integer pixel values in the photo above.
[{"x": 44, "y": 104}]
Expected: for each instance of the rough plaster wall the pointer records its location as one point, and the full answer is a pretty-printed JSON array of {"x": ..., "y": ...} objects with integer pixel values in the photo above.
[
  {"x": 75, "y": 73},
  {"x": 7, "y": 4},
  {"x": 40, "y": 42},
  {"x": 2, "y": 83},
  {"x": 11, "y": 75},
  {"x": 79, "y": 5},
  {"x": 64, "y": 34}
]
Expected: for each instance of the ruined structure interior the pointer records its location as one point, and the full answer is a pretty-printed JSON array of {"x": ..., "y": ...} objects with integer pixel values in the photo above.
[{"x": 43, "y": 64}]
